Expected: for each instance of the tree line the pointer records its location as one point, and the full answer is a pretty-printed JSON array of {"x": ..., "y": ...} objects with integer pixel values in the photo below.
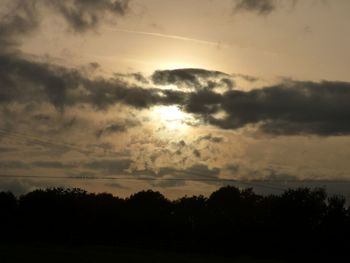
[{"x": 230, "y": 221}]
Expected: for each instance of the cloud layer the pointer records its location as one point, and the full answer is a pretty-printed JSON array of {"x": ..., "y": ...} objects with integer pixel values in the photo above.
[{"x": 288, "y": 108}]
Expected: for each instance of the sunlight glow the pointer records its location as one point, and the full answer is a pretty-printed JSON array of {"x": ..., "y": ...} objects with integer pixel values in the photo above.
[{"x": 172, "y": 117}]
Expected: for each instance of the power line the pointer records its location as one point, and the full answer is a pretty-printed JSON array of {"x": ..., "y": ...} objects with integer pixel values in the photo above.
[
  {"x": 40, "y": 142},
  {"x": 254, "y": 183},
  {"x": 195, "y": 172},
  {"x": 199, "y": 177},
  {"x": 28, "y": 138},
  {"x": 218, "y": 180}
]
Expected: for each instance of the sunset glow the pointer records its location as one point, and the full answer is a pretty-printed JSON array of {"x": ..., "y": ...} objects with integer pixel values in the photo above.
[{"x": 172, "y": 117}]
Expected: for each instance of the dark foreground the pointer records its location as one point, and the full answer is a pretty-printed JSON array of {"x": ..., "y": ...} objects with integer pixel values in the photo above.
[
  {"x": 43, "y": 253},
  {"x": 232, "y": 225}
]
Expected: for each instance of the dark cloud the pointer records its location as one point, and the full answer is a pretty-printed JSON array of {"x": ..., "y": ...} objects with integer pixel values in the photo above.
[
  {"x": 24, "y": 17},
  {"x": 113, "y": 128},
  {"x": 290, "y": 108},
  {"x": 228, "y": 82},
  {"x": 117, "y": 127},
  {"x": 137, "y": 76},
  {"x": 210, "y": 138},
  {"x": 293, "y": 107},
  {"x": 103, "y": 93},
  {"x": 82, "y": 15},
  {"x": 191, "y": 77},
  {"x": 260, "y": 7},
  {"x": 110, "y": 166},
  {"x": 203, "y": 102},
  {"x": 196, "y": 153},
  {"x": 140, "y": 78},
  {"x": 24, "y": 80}
]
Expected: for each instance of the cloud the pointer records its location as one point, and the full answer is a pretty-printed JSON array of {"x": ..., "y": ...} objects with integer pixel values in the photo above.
[
  {"x": 116, "y": 185},
  {"x": 233, "y": 168},
  {"x": 13, "y": 164},
  {"x": 228, "y": 82},
  {"x": 53, "y": 164},
  {"x": 140, "y": 78},
  {"x": 200, "y": 171},
  {"x": 7, "y": 149},
  {"x": 176, "y": 177},
  {"x": 82, "y": 15},
  {"x": 24, "y": 80},
  {"x": 24, "y": 17},
  {"x": 20, "y": 19},
  {"x": 118, "y": 127},
  {"x": 276, "y": 176},
  {"x": 190, "y": 77},
  {"x": 260, "y": 7},
  {"x": 290, "y": 108},
  {"x": 245, "y": 77},
  {"x": 110, "y": 166},
  {"x": 203, "y": 102},
  {"x": 210, "y": 138}
]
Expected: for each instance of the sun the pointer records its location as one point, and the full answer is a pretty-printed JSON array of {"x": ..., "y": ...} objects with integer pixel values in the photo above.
[{"x": 172, "y": 117}]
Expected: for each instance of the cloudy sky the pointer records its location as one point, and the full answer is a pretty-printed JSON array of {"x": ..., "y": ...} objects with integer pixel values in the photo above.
[{"x": 178, "y": 96}]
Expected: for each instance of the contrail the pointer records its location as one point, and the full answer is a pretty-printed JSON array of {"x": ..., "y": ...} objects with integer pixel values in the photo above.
[{"x": 203, "y": 42}]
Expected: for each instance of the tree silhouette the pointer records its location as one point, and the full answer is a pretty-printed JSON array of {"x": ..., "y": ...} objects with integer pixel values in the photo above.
[{"x": 230, "y": 221}]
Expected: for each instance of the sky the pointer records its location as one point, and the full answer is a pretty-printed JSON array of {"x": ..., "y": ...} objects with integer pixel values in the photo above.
[{"x": 177, "y": 96}]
